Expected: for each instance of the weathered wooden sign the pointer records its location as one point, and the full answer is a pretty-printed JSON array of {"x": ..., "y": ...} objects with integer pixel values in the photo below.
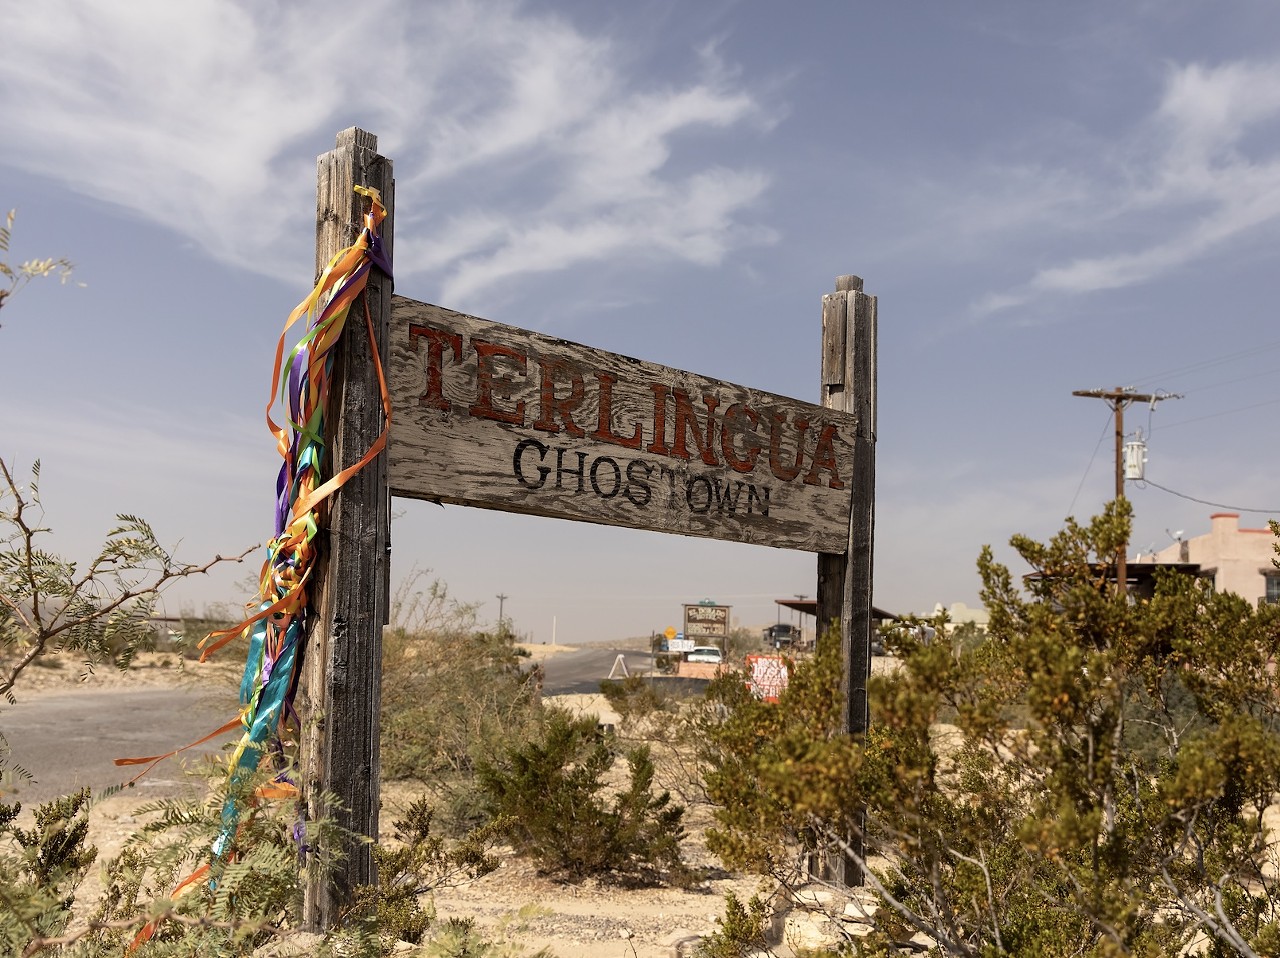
[
  {"x": 493, "y": 416},
  {"x": 706, "y": 621},
  {"x": 503, "y": 418}
]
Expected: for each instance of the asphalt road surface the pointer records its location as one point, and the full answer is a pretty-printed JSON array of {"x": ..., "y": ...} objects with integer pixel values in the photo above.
[
  {"x": 69, "y": 740},
  {"x": 583, "y": 670}
]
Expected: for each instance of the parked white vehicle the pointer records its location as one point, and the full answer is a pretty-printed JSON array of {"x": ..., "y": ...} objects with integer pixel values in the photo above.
[{"x": 706, "y": 653}]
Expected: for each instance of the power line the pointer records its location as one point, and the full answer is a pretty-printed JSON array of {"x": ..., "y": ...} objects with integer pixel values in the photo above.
[
  {"x": 1205, "y": 502},
  {"x": 1238, "y": 379},
  {"x": 1215, "y": 415},
  {"x": 1101, "y": 436},
  {"x": 1208, "y": 363}
]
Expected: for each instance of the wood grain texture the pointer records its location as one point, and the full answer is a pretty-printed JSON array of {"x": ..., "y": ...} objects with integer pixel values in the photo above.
[
  {"x": 845, "y": 578},
  {"x": 498, "y": 417},
  {"x": 339, "y": 696}
]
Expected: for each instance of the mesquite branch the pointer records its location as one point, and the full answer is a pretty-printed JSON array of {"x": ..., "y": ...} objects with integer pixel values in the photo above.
[{"x": 45, "y": 604}]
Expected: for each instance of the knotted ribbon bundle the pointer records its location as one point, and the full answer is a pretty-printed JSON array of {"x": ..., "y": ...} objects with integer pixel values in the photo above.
[{"x": 277, "y": 626}]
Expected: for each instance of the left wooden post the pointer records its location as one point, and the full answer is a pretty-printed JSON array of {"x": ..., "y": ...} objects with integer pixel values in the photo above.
[{"x": 339, "y": 694}]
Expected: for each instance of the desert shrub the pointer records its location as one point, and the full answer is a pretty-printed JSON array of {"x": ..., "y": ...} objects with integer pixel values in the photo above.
[
  {"x": 663, "y": 715},
  {"x": 458, "y": 938},
  {"x": 739, "y": 642},
  {"x": 634, "y": 698},
  {"x": 415, "y": 863},
  {"x": 100, "y": 609},
  {"x": 40, "y": 868},
  {"x": 1089, "y": 779},
  {"x": 194, "y": 626},
  {"x": 248, "y": 896},
  {"x": 449, "y": 699},
  {"x": 551, "y": 794},
  {"x": 741, "y": 932},
  {"x": 252, "y": 893},
  {"x": 769, "y": 766},
  {"x": 451, "y": 694}
]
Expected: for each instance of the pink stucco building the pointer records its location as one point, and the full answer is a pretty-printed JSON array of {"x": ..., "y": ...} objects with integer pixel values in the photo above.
[{"x": 1239, "y": 560}]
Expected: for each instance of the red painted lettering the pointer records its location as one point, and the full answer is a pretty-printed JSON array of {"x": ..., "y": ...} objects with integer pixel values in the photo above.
[
  {"x": 731, "y": 428},
  {"x": 659, "y": 444},
  {"x": 437, "y": 340},
  {"x": 604, "y": 428},
  {"x": 824, "y": 457},
  {"x": 780, "y": 469},
  {"x": 687, "y": 424},
  {"x": 549, "y": 403},
  {"x": 487, "y": 355}
]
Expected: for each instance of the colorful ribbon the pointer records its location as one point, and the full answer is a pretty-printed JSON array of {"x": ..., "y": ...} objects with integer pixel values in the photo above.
[{"x": 274, "y": 632}]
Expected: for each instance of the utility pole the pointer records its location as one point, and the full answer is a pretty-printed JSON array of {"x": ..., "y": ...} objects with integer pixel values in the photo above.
[
  {"x": 1118, "y": 398},
  {"x": 501, "y": 599}
]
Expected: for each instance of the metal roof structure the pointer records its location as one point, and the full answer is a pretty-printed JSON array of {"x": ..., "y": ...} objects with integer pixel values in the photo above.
[{"x": 810, "y": 607}]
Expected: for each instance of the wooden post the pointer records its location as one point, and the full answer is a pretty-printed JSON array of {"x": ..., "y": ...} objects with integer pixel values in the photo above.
[
  {"x": 844, "y": 580},
  {"x": 340, "y": 690}
]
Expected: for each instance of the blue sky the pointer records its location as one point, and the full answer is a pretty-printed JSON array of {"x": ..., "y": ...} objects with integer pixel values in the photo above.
[{"x": 1044, "y": 197}]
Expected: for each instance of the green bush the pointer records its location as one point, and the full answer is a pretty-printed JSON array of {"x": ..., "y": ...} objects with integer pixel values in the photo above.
[
  {"x": 1089, "y": 779},
  {"x": 415, "y": 863},
  {"x": 741, "y": 931},
  {"x": 450, "y": 696},
  {"x": 550, "y": 791},
  {"x": 634, "y": 699},
  {"x": 40, "y": 868}
]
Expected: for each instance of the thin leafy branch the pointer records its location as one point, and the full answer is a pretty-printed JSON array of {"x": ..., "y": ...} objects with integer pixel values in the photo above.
[
  {"x": 48, "y": 604},
  {"x": 17, "y": 276},
  {"x": 167, "y": 913}
]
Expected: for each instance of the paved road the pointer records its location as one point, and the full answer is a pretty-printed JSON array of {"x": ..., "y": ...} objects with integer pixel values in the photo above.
[
  {"x": 584, "y": 669},
  {"x": 68, "y": 740}
]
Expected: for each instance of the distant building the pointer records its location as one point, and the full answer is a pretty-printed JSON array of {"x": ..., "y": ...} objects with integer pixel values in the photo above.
[
  {"x": 960, "y": 614},
  {"x": 1238, "y": 560}
]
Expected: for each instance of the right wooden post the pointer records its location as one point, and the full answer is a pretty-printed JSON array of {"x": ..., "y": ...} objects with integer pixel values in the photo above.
[{"x": 844, "y": 580}]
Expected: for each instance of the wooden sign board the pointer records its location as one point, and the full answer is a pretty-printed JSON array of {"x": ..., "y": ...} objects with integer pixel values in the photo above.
[
  {"x": 503, "y": 418},
  {"x": 706, "y": 621}
]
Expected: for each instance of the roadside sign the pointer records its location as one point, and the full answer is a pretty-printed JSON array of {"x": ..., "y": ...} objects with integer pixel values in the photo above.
[
  {"x": 767, "y": 676},
  {"x": 707, "y": 622}
]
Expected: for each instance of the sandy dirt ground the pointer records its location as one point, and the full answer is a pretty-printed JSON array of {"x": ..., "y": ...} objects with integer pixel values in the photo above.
[{"x": 514, "y": 904}]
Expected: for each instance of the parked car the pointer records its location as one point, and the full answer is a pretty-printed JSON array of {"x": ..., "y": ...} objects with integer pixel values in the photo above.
[{"x": 705, "y": 653}]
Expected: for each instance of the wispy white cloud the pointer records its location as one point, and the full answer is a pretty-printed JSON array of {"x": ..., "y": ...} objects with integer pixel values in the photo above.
[
  {"x": 1200, "y": 172},
  {"x": 521, "y": 143},
  {"x": 197, "y": 478}
]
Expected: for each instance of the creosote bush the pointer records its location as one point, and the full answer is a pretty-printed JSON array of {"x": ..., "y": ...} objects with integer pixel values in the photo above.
[
  {"x": 551, "y": 795},
  {"x": 635, "y": 699},
  {"x": 418, "y": 862},
  {"x": 451, "y": 694},
  {"x": 741, "y": 932},
  {"x": 1090, "y": 779}
]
